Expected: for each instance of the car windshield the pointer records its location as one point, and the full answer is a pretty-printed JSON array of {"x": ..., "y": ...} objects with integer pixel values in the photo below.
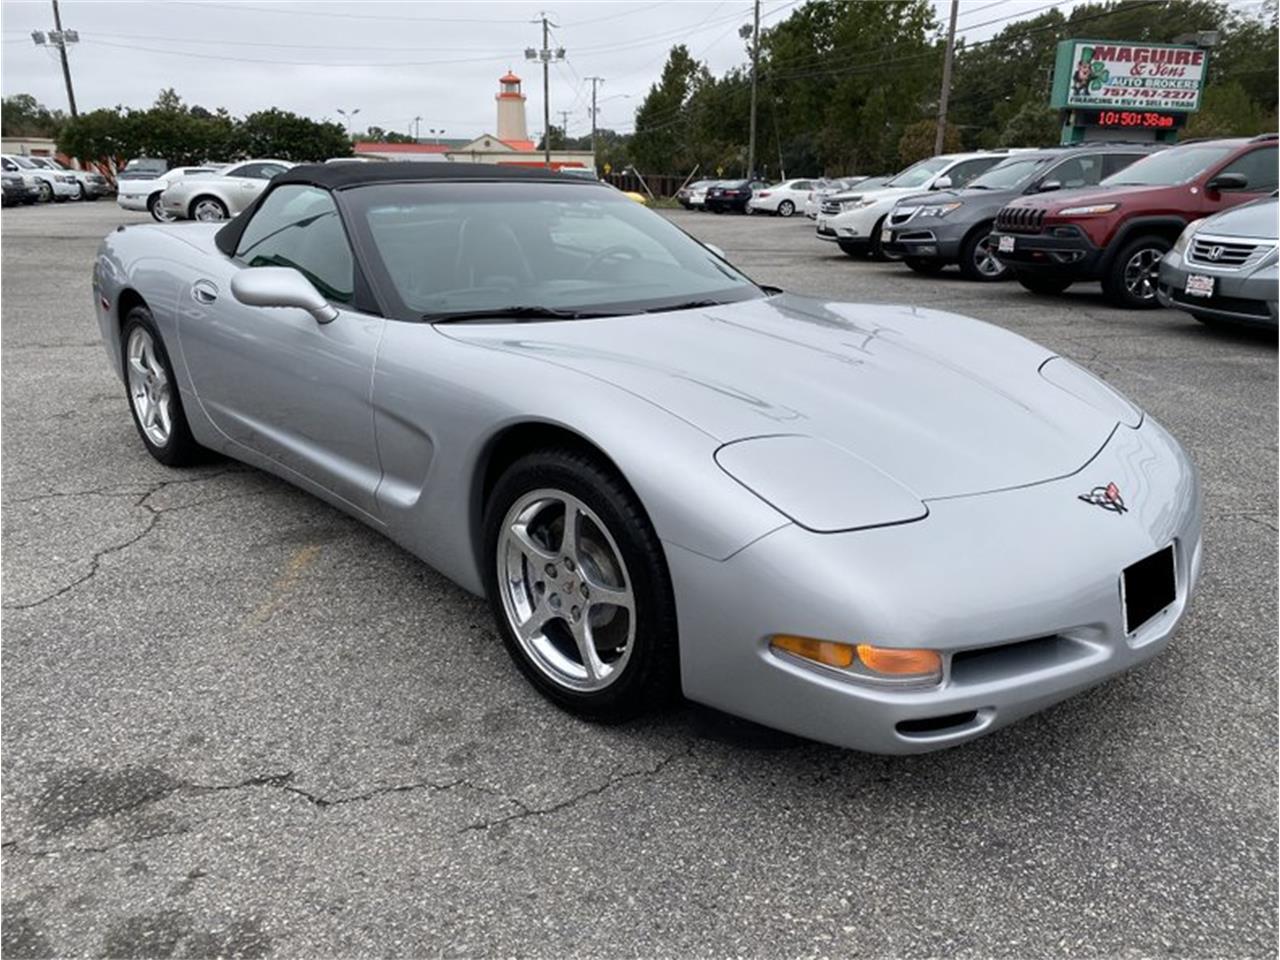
[
  {"x": 1169, "y": 167},
  {"x": 24, "y": 163},
  {"x": 919, "y": 174},
  {"x": 466, "y": 248},
  {"x": 1008, "y": 174}
]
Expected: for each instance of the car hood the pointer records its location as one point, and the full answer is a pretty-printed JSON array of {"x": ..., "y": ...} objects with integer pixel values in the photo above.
[
  {"x": 945, "y": 405},
  {"x": 1252, "y": 220},
  {"x": 1083, "y": 196}
]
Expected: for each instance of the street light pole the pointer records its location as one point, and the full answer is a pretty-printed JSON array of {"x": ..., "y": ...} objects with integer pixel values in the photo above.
[
  {"x": 417, "y": 128},
  {"x": 545, "y": 55},
  {"x": 594, "y": 82},
  {"x": 940, "y": 137},
  {"x": 347, "y": 117},
  {"x": 755, "y": 64}
]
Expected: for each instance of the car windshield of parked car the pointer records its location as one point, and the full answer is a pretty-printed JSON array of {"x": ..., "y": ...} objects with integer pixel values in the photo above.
[
  {"x": 25, "y": 163},
  {"x": 459, "y": 250},
  {"x": 1169, "y": 167},
  {"x": 1008, "y": 174},
  {"x": 919, "y": 174}
]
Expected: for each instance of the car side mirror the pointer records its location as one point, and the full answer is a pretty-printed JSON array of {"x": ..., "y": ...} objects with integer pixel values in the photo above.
[
  {"x": 1048, "y": 185},
  {"x": 942, "y": 183},
  {"x": 1228, "y": 181},
  {"x": 281, "y": 287}
]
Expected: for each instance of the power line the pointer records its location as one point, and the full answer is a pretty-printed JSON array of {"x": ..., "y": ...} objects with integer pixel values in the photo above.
[
  {"x": 240, "y": 7},
  {"x": 297, "y": 63}
]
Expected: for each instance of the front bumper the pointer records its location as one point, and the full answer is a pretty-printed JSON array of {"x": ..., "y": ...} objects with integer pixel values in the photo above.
[
  {"x": 1028, "y": 576},
  {"x": 1059, "y": 249},
  {"x": 1239, "y": 296},
  {"x": 930, "y": 239}
]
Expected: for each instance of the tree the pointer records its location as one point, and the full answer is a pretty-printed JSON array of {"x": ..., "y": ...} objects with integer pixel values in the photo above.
[
  {"x": 287, "y": 136},
  {"x": 916, "y": 142},
  {"x": 1226, "y": 110},
  {"x": 658, "y": 143},
  {"x": 23, "y": 116},
  {"x": 558, "y": 141},
  {"x": 1034, "y": 125}
]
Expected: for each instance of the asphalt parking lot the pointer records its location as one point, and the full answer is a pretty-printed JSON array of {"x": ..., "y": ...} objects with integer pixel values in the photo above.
[{"x": 238, "y": 723}]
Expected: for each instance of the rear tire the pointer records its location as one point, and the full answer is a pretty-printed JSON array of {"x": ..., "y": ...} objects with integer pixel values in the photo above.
[
  {"x": 208, "y": 209},
  {"x": 978, "y": 261},
  {"x": 1044, "y": 286},
  {"x": 786, "y": 208},
  {"x": 1130, "y": 281},
  {"x": 536, "y": 596},
  {"x": 927, "y": 267},
  {"x": 150, "y": 385},
  {"x": 157, "y": 212}
]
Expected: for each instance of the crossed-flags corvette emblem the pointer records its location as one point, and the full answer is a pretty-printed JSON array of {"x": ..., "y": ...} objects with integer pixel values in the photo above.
[{"x": 1108, "y": 498}]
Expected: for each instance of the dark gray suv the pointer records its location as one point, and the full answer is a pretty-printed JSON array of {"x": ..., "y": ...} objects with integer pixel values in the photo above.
[{"x": 929, "y": 231}]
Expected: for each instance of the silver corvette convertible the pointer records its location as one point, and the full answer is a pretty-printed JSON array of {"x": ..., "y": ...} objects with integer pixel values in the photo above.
[{"x": 889, "y": 528}]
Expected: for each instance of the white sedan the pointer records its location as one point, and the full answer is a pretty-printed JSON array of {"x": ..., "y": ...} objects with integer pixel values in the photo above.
[
  {"x": 784, "y": 198},
  {"x": 144, "y": 194}
]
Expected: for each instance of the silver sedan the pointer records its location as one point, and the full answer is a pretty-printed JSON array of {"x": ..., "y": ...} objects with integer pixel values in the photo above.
[
  {"x": 885, "y": 527},
  {"x": 222, "y": 196}
]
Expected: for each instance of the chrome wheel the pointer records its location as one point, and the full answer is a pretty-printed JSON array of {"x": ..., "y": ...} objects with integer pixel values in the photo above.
[
  {"x": 1141, "y": 271},
  {"x": 208, "y": 209},
  {"x": 149, "y": 387},
  {"x": 565, "y": 590},
  {"x": 985, "y": 261},
  {"x": 46, "y": 191},
  {"x": 786, "y": 208},
  {"x": 158, "y": 212}
]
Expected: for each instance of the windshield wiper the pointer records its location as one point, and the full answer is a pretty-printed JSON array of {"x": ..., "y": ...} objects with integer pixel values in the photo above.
[
  {"x": 686, "y": 305},
  {"x": 517, "y": 313}
]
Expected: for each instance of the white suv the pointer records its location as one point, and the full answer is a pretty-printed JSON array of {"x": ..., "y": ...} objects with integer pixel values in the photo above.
[
  {"x": 53, "y": 184},
  {"x": 855, "y": 220}
]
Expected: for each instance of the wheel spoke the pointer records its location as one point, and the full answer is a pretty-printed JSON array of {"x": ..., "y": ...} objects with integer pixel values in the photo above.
[
  {"x": 569, "y": 536},
  {"x": 534, "y": 551},
  {"x": 606, "y": 596},
  {"x": 166, "y": 420},
  {"x": 148, "y": 412},
  {"x": 591, "y": 661},
  {"x": 138, "y": 367},
  {"x": 537, "y": 621}
]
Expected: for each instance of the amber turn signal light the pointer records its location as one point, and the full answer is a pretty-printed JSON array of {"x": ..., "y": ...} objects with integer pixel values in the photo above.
[
  {"x": 821, "y": 651},
  {"x": 898, "y": 662}
]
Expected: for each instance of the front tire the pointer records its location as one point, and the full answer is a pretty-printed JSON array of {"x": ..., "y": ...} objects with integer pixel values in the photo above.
[
  {"x": 1130, "y": 281},
  {"x": 588, "y": 617},
  {"x": 46, "y": 191},
  {"x": 1044, "y": 286},
  {"x": 877, "y": 248},
  {"x": 786, "y": 208},
  {"x": 978, "y": 260},
  {"x": 154, "y": 400},
  {"x": 208, "y": 209}
]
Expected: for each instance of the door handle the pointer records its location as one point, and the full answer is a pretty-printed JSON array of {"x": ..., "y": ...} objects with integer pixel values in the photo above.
[{"x": 203, "y": 291}]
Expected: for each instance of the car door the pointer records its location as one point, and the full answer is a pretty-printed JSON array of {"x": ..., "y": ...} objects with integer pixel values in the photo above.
[
  {"x": 274, "y": 380},
  {"x": 1258, "y": 167}
]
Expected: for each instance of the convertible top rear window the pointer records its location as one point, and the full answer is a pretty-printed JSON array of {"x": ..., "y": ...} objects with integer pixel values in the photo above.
[{"x": 441, "y": 249}]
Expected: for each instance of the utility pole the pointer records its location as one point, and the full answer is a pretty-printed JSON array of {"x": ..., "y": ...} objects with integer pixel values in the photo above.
[
  {"x": 564, "y": 121},
  {"x": 545, "y": 56},
  {"x": 417, "y": 128},
  {"x": 755, "y": 64},
  {"x": 57, "y": 37},
  {"x": 594, "y": 82},
  {"x": 939, "y": 139}
]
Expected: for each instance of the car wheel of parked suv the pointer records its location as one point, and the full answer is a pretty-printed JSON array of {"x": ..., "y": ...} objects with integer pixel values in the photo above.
[
  {"x": 978, "y": 260},
  {"x": 877, "y": 249},
  {"x": 927, "y": 267},
  {"x": 1042, "y": 285},
  {"x": 46, "y": 191},
  {"x": 1131, "y": 279}
]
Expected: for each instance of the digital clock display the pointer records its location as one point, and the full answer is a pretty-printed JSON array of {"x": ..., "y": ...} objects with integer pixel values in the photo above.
[{"x": 1138, "y": 119}]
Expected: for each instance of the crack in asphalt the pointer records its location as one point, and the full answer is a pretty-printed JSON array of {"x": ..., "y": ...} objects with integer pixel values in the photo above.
[
  {"x": 153, "y": 518},
  {"x": 526, "y": 811}
]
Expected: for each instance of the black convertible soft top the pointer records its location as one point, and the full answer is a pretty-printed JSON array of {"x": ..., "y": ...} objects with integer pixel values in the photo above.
[{"x": 339, "y": 176}]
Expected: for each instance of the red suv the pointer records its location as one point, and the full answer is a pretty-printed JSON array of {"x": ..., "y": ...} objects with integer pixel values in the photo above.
[{"x": 1118, "y": 231}]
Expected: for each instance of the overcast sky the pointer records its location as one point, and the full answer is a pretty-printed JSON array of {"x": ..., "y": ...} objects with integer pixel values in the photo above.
[{"x": 392, "y": 61}]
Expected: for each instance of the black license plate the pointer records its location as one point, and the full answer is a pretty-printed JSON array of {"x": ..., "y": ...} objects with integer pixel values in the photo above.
[{"x": 1148, "y": 587}]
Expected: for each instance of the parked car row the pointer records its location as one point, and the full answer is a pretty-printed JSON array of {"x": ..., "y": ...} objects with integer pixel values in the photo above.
[
  {"x": 206, "y": 193},
  {"x": 1154, "y": 224},
  {"x": 45, "y": 179}
]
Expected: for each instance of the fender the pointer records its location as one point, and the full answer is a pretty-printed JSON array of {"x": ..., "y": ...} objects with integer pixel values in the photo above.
[{"x": 1136, "y": 226}]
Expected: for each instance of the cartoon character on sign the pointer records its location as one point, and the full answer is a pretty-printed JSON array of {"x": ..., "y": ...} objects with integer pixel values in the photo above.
[{"x": 1089, "y": 74}]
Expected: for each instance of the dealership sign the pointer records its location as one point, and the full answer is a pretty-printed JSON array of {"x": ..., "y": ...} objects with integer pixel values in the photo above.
[{"x": 1119, "y": 75}]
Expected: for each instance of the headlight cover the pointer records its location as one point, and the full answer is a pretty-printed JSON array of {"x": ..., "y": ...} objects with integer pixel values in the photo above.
[
  {"x": 822, "y": 487},
  {"x": 1093, "y": 210},
  {"x": 1184, "y": 238},
  {"x": 1083, "y": 385},
  {"x": 938, "y": 209}
]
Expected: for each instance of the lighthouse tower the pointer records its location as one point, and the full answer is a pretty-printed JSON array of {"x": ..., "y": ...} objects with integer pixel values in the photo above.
[{"x": 511, "y": 125}]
